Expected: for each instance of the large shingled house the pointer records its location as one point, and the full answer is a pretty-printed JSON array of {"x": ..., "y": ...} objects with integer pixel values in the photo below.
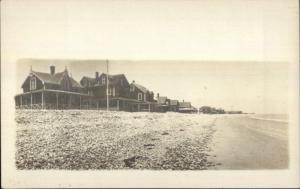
[
  {"x": 122, "y": 95},
  {"x": 50, "y": 90}
]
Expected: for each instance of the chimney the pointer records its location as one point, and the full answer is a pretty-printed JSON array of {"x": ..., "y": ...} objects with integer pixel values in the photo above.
[
  {"x": 182, "y": 100},
  {"x": 96, "y": 75},
  {"x": 157, "y": 95},
  {"x": 52, "y": 70},
  {"x": 133, "y": 81}
]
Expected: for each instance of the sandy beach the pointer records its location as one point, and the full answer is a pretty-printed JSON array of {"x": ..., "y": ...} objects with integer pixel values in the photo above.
[
  {"x": 241, "y": 142},
  {"x": 89, "y": 139}
]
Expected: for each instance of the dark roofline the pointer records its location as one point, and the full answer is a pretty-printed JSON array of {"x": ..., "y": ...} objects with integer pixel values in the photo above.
[
  {"x": 55, "y": 80},
  {"x": 141, "y": 87}
]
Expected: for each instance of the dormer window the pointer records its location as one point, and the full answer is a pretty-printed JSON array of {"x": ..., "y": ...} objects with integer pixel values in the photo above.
[
  {"x": 32, "y": 83},
  {"x": 103, "y": 80}
]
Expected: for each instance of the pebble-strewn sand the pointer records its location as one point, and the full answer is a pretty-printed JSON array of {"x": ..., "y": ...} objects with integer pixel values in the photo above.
[
  {"x": 81, "y": 140},
  {"x": 90, "y": 139}
]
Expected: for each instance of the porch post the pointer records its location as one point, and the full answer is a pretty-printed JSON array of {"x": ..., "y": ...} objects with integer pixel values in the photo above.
[
  {"x": 31, "y": 100},
  {"x": 149, "y": 107},
  {"x": 139, "y": 107},
  {"x": 56, "y": 101},
  {"x": 79, "y": 102},
  {"x": 97, "y": 104},
  {"x": 90, "y": 104},
  {"x": 118, "y": 108},
  {"x": 87, "y": 104},
  {"x": 42, "y": 100},
  {"x": 21, "y": 100},
  {"x": 70, "y": 101}
]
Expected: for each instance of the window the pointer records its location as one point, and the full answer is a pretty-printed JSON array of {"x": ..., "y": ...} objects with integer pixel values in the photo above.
[
  {"x": 111, "y": 91},
  {"x": 32, "y": 83},
  {"x": 140, "y": 96},
  {"x": 121, "y": 82},
  {"x": 103, "y": 80},
  {"x": 114, "y": 92}
]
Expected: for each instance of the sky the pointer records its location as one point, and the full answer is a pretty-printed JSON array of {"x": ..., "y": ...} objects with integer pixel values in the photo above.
[
  {"x": 248, "y": 86},
  {"x": 231, "y": 54}
]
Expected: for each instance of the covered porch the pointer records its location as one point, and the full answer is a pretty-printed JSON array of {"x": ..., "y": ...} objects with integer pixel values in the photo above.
[
  {"x": 56, "y": 99},
  {"x": 122, "y": 104},
  {"x": 52, "y": 99}
]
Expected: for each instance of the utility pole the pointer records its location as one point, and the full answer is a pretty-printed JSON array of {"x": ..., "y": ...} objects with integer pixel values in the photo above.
[{"x": 107, "y": 84}]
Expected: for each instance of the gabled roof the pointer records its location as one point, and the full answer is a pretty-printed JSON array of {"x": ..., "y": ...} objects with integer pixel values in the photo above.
[
  {"x": 75, "y": 83},
  {"x": 54, "y": 79},
  {"x": 48, "y": 78},
  {"x": 162, "y": 100},
  {"x": 185, "y": 105},
  {"x": 113, "y": 79},
  {"x": 91, "y": 80},
  {"x": 173, "y": 102},
  {"x": 140, "y": 87}
]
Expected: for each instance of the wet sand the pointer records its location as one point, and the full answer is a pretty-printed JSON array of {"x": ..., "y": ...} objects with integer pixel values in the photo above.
[{"x": 246, "y": 143}]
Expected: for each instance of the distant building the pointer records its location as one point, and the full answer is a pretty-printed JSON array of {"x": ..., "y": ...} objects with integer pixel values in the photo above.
[
  {"x": 140, "y": 92},
  {"x": 186, "y": 107},
  {"x": 162, "y": 103},
  {"x": 234, "y": 112},
  {"x": 174, "y": 105}
]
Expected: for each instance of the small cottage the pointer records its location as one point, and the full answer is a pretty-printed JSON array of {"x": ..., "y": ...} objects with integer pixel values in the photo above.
[
  {"x": 186, "y": 107},
  {"x": 163, "y": 103},
  {"x": 174, "y": 105}
]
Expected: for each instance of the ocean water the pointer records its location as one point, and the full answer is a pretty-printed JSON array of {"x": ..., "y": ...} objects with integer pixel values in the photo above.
[{"x": 275, "y": 117}]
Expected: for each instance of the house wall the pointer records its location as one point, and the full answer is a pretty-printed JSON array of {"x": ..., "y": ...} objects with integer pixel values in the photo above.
[
  {"x": 123, "y": 91},
  {"x": 173, "y": 108},
  {"x": 99, "y": 91},
  {"x": 66, "y": 84},
  {"x": 52, "y": 86},
  {"x": 134, "y": 94},
  {"x": 26, "y": 86}
]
